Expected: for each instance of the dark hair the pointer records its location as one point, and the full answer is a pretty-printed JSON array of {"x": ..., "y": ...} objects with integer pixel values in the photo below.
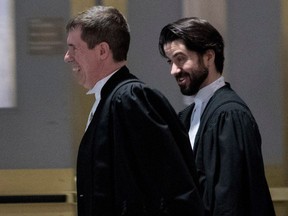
[
  {"x": 103, "y": 24},
  {"x": 198, "y": 35}
]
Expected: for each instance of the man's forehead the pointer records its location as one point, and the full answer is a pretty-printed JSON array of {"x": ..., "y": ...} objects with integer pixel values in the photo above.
[
  {"x": 173, "y": 46},
  {"x": 74, "y": 35},
  {"x": 75, "y": 31}
]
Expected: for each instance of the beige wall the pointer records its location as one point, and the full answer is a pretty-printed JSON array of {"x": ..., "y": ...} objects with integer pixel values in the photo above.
[{"x": 35, "y": 182}]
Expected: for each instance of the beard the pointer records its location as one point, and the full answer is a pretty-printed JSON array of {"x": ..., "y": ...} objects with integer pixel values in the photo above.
[{"x": 196, "y": 79}]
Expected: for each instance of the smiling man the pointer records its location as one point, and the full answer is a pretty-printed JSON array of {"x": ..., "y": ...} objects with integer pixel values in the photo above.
[
  {"x": 134, "y": 158},
  {"x": 223, "y": 132}
]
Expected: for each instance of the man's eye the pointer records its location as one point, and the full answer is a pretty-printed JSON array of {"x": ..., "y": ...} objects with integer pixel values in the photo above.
[
  {"x": 169, "y": 62},
  {"x": 71, "y": 48},
  {"x": 180, "y": 59}
]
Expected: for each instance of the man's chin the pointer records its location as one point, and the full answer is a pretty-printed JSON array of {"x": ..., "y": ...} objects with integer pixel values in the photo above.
[
  {"x": 185, "y": 92},
  {"x": 188, "y": 91}
]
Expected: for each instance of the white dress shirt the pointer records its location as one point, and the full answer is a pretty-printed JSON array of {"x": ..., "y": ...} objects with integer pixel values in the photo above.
[
  {"x": 201, "y": 99},
  {"x": 96, "y": 90}
]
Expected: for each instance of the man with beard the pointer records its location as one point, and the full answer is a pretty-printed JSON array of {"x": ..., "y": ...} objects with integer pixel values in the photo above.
[{"x": 223, "y": 132}]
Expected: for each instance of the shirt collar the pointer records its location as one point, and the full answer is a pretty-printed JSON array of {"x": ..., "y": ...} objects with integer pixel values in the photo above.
[
  {"x": 205, "y": 93},
  {"x": 99, "y": 85}
]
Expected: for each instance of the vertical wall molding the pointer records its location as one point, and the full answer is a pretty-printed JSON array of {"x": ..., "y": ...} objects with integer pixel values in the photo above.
[
  {"x": 78, "y": 6},
  {"x": 284, "y": 68},
  {"x": 213, "y": 11},
  {"x": 121, "y": 5}
]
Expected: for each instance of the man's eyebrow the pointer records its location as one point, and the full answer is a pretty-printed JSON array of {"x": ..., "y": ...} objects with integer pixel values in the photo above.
[{"x": 176, "y": 54}]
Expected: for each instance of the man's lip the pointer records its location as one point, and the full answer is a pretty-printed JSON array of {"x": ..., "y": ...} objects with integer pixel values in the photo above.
[
  {"x": 181, "y": 80},
  {"x": 75, "y": 69}
]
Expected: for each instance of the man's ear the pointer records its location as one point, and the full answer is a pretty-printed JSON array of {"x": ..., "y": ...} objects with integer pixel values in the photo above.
[
  {"x": 209, "y": 57},
  {"x": 104, "y": 50}
]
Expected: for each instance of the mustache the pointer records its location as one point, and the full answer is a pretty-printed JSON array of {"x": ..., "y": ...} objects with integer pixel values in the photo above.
[{"x": 181, "y": 74}]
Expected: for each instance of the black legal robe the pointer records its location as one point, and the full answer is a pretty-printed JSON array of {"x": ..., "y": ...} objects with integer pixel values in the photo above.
[
  {"x": 228, "y": 156},
  {"x": 135, "y": 157}
]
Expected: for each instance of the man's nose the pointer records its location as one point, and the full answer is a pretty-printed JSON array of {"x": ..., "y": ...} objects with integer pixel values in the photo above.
[
  {"x": 68, "y": 57},
  {"x": 175, "y": 69}
]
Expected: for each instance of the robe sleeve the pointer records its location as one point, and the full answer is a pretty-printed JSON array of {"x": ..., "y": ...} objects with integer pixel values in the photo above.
[
  {"x": 235, "y": 179},
  {"x": 150, "y": 168}
]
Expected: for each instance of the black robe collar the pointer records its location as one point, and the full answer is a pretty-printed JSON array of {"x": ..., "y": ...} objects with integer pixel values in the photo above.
[{"x": 121, "y": 75}]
